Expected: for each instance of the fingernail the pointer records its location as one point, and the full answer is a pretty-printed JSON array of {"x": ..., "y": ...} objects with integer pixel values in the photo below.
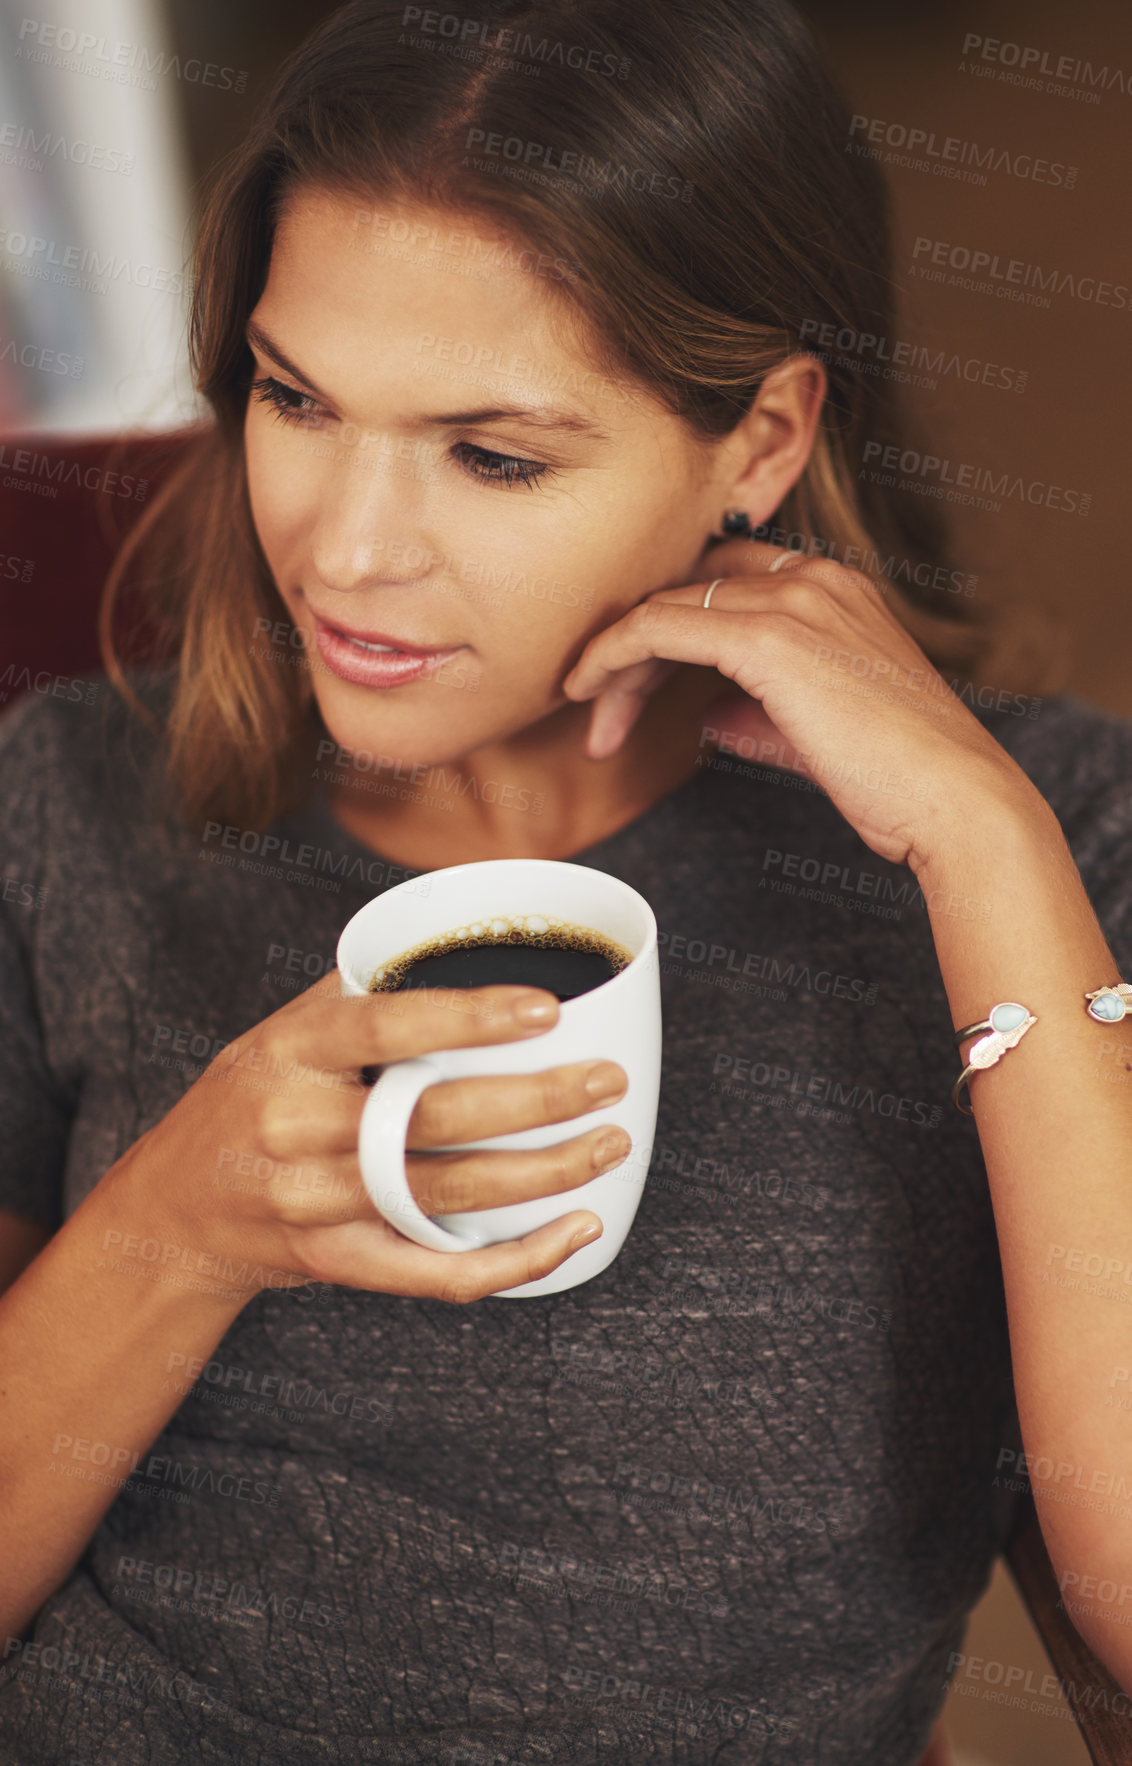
[
  {"x": 611, "y": 1149},
  {"x": 586, "y": 1236},
  {"x": 533, "y": 1010},
  {"x": 605, "y": 1082}
]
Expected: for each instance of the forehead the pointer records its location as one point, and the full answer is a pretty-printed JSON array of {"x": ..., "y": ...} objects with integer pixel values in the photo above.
[
  {"x": 440, "y": 283},
  {"x": 430, "y": 304}
]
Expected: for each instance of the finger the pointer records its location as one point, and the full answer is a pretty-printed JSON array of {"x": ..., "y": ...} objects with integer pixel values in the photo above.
[
  {"x": 350, "y": 1031},
  {"x": 746, "y": 587},
  {"x": 729, "y": 557},
  {"x": 617, "y": 709},
  {"x": 786, "y": 561},
  {"x": 741, "y": 557},
  {"x": 331, "y": 1189},
  {"x": 326, "y": 1186},
  {"x": 759, "y": 555},
  {"x": 675, "y": 625},
  {"x": 458, "y": 1110},
  {"x": 668, "y": 628},
  {"x": 643, "y": 677},
  {"x": 612, "y": 716},
  {"x": 375, "y": 1256},
  {"x": 454, "y": 1183}
]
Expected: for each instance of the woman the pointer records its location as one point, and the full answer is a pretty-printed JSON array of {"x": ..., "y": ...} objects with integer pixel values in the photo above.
[{"x": 501, "y": 327}]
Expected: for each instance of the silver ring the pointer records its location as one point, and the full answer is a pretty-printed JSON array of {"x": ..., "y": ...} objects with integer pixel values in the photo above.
[
  {"x": 710, "y": 587},
  {"x": 783, "y": 558}
]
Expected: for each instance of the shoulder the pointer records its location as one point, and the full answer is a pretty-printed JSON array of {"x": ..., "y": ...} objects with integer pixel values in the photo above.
[
  {"x": 78, "y": 718},
  {"x": 1062, "y": 732},
  {"x": 68, "y": 756}
]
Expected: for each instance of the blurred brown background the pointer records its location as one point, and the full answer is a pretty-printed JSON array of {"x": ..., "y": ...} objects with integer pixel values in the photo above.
[{"x": 1068, "y": 427}]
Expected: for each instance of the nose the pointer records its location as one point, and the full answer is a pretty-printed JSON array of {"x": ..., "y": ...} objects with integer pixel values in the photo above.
[{"x": 369, "y": 531}]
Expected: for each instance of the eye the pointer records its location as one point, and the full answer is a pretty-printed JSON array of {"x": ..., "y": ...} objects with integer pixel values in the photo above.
[
  {"x": 290, "y": 405},
  {"x": 499, "y": 468}
]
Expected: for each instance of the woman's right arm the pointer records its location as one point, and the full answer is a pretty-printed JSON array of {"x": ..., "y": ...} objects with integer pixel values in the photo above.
[
  {"x": 84, "y": 1351},
  {"x": 169, "y": 1246}
]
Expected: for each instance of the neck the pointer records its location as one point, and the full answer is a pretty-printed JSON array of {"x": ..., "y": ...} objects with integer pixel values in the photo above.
[{"x": 536, "y": 794}]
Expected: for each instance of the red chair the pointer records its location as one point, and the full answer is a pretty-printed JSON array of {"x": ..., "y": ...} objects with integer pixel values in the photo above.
[{"x": 66, "y": 504}]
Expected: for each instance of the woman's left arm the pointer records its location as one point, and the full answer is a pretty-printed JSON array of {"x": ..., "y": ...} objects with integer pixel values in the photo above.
[
  {"x": 1054, "y": 1117},
  {"x": 835, "y": 688}
]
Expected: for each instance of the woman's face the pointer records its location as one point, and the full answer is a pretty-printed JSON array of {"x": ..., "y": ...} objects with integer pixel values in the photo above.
[{"x": 435, "y": 460}]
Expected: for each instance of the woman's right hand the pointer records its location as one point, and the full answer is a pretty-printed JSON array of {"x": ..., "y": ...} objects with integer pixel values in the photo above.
[{"x": 254, "y": 1172}]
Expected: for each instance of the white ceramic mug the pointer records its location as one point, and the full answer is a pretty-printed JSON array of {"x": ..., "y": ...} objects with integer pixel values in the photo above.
[{"x": 618, "y": 1021}]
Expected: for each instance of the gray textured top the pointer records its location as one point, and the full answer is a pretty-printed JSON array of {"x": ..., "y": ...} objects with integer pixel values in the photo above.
[{"x": 731, "y": 1501}]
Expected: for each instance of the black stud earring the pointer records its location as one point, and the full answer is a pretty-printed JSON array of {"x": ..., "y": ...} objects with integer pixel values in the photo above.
[{"x": 736, "y": 524}]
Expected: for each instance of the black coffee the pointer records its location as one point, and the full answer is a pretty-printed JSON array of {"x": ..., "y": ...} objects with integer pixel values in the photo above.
[{"x": 566, "y": 960}]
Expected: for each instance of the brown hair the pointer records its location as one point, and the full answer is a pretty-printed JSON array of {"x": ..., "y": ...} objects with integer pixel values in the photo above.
[{"x": 711, "y": 223}]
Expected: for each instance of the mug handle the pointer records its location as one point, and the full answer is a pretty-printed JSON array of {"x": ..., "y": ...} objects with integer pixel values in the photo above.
[{"x": 381, "y": 1154}]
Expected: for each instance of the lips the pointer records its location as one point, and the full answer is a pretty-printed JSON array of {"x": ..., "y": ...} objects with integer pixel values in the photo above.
[
  {"x": 376, "y": 659},
  {"x": 379, "y": 638}
]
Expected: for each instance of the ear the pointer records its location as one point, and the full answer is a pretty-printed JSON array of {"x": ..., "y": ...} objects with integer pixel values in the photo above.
[{"x": 774, "y": 440}]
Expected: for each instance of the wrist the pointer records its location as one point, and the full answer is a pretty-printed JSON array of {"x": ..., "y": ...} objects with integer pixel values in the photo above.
[
  {"x": 130, "y": 1234},
  {"x": 1004, "y": 823}
]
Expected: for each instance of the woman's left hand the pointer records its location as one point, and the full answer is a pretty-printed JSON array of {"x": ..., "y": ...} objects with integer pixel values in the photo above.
[{"x": 832, "y": 686}]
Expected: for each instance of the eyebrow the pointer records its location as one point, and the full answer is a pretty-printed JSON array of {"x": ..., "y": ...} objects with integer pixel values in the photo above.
[
  {"x": 267, "y": 346},
  {"x": 547, "y": 417},
  {"x": 539, "y": 417}
]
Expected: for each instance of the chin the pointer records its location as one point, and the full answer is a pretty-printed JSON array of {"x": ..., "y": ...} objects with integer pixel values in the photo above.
[{"x": 381, "y": 738}]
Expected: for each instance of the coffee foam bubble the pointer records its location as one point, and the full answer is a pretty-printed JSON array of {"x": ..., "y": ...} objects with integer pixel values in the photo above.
[{"x": 538, "y": 931}]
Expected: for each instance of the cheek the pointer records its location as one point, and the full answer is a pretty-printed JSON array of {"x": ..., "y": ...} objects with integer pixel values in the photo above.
[
  {"x": 559, "y": 594},
  {"x": 277, "y": 489},
  {"x": 548, "y": 626},
  {"x": 613, "y": 565},
  {"x": 550, "y": 599}
]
